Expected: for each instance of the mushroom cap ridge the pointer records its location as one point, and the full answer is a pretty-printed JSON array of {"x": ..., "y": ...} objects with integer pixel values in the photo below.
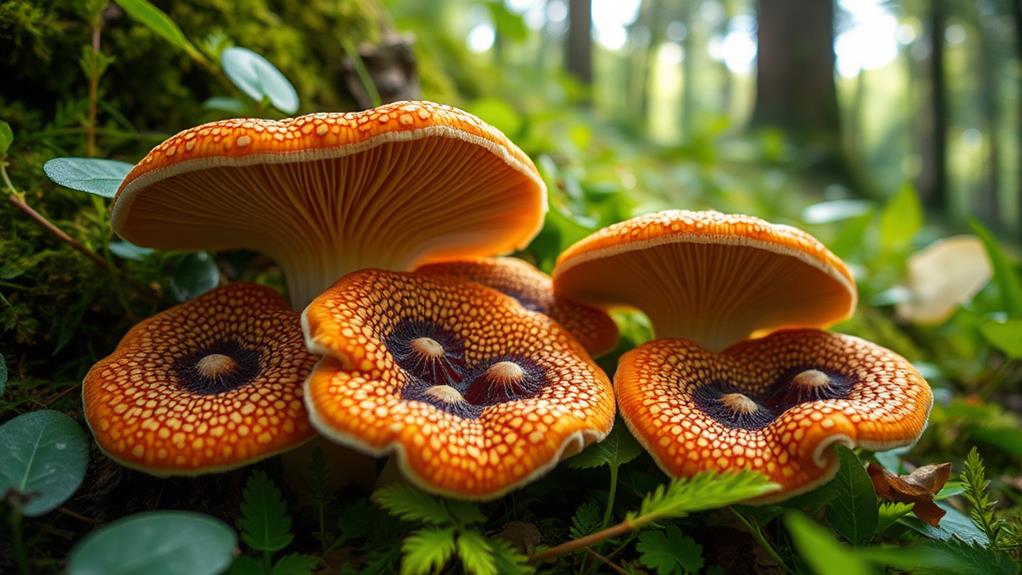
[
  {"x": 448, "y": 437},
  {"x": 678, "y": 401},
  {"x": 150, "y": 410}
]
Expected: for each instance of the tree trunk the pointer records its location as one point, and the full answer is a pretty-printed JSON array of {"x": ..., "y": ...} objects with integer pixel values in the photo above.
[
  {"x": 579, "y": 49},
  {"x": 1017, "y": 13},
  {"x": 987, "y": 201},
  {"x": 795, "y": 87},
  {"x": 688, "y": 69},
  {"x": 933, "y": 180}
]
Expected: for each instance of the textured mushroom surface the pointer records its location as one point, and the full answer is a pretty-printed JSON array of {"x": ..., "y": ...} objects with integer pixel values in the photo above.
[
  {"x": 324, "y": 194},
  {"x": 773, "y": 405},
  {"x": 709, "y": 277},
  {"x": 476, "y": 394},
  {"x": 209, "y": 385},
  {"x": 593, "y": 328}
]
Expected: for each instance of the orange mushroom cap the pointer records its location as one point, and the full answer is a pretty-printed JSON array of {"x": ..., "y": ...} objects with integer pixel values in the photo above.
[
  {"x": 209, "y": 385},
  {"x": 709, "y": 277},
  {"x": 476, "y": 394},
  {"x": 773, "y": 405},
  {"x": 593, "y": 328},
  {"x": 324, "y": 194}
]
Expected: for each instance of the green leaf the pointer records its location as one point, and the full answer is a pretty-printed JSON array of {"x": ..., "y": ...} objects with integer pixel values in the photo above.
[
  {"x": 295, "y": 564},
  {"x": 913, "y": 559},
  {"x": 1005, "y": 336},
  {"x": 259, "y": 79},
  {"x": 245, "y": 565},
  {"x": 953, "y": 526},
  {"x": 6, "y": 137},
  {"x": 463, "y": 512},
  {"x": 223, "y": 104},
  {"x": 427, "y": 550},
  {"x": 193, "y": 275},
  {"x": 669, "y": 551},
  {"x": 44, "y": 455},
  {"x": 853, "y": 510},
  {"x": 969, "y": 560},
  {"x": 354, "y": 520},
  {"x": 699, "y": 493},
  {"x": 1005, "y": 277},
  {"x": 617, "y": 449},
  {"x": 824, "y": 554},
  {"x": 411, "y": 504},
  {"x": 901, "y": 219},
  {"x": 476, "y": 553},
  {"x": 3, "y": 374},
  {"x": 265, "y": 524},
  {"x": 889, "y": 513},
  {"x": 129, "y": 251},
  {"x": 91, "y": 175},
  {"x": 1007, "y": 438},
  {"x": 157, "y": 543},
  {"x": 508, "y": 560},
  {"x": 586, "y": 519},
  {"x": 156, "y": 20}
]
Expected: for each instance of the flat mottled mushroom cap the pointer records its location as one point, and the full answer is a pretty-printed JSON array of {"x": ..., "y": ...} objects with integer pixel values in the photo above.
[
  {"x": 593, "y": 328},
  {"x": 324, "y": 194},
  {"x": 709, "y": 277},
  {"x": 209, "y": 385},
  {"x": 476, "y": 394},
  {"x": 773, "y": 405}
]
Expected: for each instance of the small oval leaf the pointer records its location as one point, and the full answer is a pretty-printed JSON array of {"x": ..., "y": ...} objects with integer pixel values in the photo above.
[
  {"x": 100, "y": 177},
  {"x": 44, "y": 456},
  {"x": 143, "y": 12},
  {"x": 6, "y": 137},
  {"x": 259, "y": 79},
  {"x": 157, "y": 543},
  {"x": 193, "y": 275}
]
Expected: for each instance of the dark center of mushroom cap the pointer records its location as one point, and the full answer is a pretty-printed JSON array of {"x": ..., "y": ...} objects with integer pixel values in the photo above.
[
  {"x": 735, "y": 407},
  {"x": 427, "y": 352},
  {"x": 218, "y": 368}
]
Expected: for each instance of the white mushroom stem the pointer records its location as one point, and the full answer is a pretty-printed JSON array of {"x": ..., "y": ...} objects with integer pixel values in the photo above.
[
  {"x": 739, "y": 403},
  {"x": 215, "y": 365},
  {"x": 811, "y": 379}
]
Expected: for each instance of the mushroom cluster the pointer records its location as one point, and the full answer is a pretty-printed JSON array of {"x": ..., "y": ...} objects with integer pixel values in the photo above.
[
  {"x": 706, "y": 396},
  {"x": 227, "y": 378},
  {"x": 475, "y": 371}
]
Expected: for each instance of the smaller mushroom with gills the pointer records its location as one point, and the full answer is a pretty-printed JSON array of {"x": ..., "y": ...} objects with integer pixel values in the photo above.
[
  {"x": 474, "y": 393},
  {"x": 709, "y": 277},
  {"x": 209, "y": 385},
  {"x": 593, "y": 328},
  {"x": 773, "y": 405}
]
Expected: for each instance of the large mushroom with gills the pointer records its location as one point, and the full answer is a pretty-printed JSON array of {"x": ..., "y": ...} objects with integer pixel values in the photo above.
[
  {"x": 773, "y": 405},
  {"x": 593, "y": 328},
  {"x": 325, "y": 194},
  {"x": 475, "y": 394},
  {"x": 709, "y": 277},
  {"x": 209, "y": 385},
  {"x": 707, "y": 397}
]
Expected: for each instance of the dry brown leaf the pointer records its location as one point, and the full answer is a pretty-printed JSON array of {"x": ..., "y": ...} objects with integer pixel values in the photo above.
[{"x": 918, "y": 487}]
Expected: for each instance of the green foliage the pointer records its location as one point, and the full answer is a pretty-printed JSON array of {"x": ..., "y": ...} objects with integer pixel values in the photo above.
[
  {"x": 981, "y": 504},
  {"x": 193, "y": 275},
  {"x": 669, "y": 551},
  {"x": 427, "y": 550},
  {"x": 586, "y": 519},
  {"x": 265, "y": 524},
  {"x": 824, "y": 554},
  {"x": 295, "y": 564},
  {"x": 410, "y": 504},
  {"x": 259, "y": 79},
  {"x": 156, "y": 543},
  {"x": 1005, "y": 277},
  {"x": 1005, "y": 336},
  {"x": 6, "y": 137},
  {"x": 44, "y": 456},
  {"x": 852, "y": 511},
  {"x": 157, "y": 21},
  {"x": 617, "y": 449},
  {"x": 100, "y": 177},
  {"x": 3, "y": 374},
  {"x": 901, "y": 219},
  {"x": 699, "y": 493}
]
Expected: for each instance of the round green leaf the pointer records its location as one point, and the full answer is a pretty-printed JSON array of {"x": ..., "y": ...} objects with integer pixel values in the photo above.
[
  {"x": 6, "y": 136},
  {"x": 129, "y": 251},
  {"x": 100, "y": 177},
  {"x": 193, "y": 275},
  {"x": 157, "y": 543},
  {"x": 258, "y": 79},
  {"x": 44, "y": 454}
]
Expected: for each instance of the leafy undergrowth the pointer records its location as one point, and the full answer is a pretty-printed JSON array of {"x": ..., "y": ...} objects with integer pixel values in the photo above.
[{"x": 608, "y": 509}]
